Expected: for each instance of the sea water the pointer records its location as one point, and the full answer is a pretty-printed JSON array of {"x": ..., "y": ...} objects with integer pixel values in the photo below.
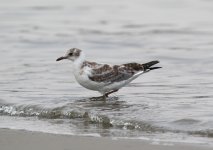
[{"x": 174, "y": 103}]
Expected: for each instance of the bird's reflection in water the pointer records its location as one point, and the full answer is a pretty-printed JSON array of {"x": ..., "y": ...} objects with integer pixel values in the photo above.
[{"x": 103, "y": 103}]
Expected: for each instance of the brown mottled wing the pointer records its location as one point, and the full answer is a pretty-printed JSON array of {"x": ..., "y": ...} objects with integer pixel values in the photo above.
[
  {"x": 116, "y": 73},
  {"x": 92, "y": 65}
]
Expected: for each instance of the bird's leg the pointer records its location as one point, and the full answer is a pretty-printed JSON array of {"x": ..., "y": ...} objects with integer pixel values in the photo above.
[{"x": 107, "y": 94}]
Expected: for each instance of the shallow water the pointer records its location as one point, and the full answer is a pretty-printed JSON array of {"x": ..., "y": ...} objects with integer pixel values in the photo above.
[{"x": 170, "y": 104}]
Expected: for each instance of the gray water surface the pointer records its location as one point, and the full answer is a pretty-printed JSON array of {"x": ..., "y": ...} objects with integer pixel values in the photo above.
[{"x": 170, "y": 104}]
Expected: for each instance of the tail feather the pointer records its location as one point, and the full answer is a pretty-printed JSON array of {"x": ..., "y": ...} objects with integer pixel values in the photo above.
[{"x": 148, "y": 66}]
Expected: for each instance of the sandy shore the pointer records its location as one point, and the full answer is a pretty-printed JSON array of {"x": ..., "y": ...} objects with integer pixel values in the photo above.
[{"x": 24, "y": 140}]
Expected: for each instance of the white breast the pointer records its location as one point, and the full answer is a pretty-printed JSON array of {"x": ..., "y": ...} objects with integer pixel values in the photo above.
[{"x": 82, "y": 78}]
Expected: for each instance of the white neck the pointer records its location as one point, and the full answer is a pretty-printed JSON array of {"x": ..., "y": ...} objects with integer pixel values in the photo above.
[{"x": 79, "y": 61}]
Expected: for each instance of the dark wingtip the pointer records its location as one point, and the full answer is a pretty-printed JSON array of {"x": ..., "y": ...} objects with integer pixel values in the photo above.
[
  {"x": 155, "y": 62},
  {"x": 153, "y": 68},
  {"x": 150, "y": 64}
]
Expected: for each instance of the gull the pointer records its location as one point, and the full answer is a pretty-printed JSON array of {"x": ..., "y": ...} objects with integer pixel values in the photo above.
[{"x": 104, "y": 78}]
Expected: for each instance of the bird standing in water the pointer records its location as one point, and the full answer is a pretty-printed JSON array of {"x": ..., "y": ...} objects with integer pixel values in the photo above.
[{"x": 104, "y": 78}]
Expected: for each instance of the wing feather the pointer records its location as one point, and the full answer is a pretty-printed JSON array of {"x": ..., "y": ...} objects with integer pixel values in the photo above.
[{"x": 110, "y": 74}]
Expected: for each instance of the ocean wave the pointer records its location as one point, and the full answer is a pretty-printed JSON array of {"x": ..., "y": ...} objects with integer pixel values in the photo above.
[{"x": 88, "y": 118}]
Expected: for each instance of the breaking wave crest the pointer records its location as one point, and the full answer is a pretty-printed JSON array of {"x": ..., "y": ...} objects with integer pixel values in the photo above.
[{"x": 85, "y": 117}]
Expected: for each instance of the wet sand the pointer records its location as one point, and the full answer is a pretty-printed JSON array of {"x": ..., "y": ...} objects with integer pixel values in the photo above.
[{"x": 24, "y": 140}]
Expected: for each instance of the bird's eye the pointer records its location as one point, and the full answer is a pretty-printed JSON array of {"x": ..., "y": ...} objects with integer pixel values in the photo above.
[{"x": 70, "y": 54}]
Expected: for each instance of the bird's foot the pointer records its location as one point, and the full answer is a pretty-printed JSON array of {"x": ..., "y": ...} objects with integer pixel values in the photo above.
[{"x": 107, "y": 94}]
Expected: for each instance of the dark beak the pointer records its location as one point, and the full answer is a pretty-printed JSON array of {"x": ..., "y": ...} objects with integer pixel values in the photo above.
[{"x": 60, "y": 58}]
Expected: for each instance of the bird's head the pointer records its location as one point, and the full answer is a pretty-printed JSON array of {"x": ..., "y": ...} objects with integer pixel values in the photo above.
[{"x": 72, "y": 54}]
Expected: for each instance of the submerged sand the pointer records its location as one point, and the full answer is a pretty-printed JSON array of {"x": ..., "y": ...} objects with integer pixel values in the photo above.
[{"x": 25, "y": 140}]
